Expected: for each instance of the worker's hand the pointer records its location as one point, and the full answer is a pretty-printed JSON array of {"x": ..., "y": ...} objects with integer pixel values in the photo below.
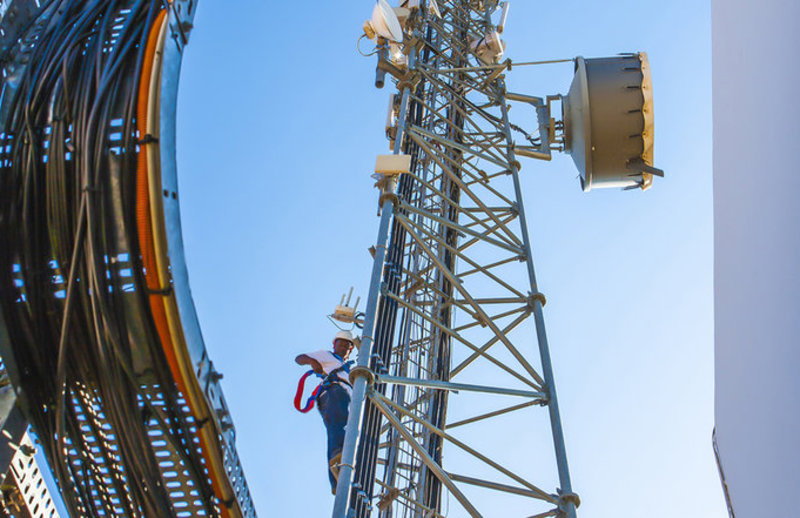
[{"x": 305, "y": 359}]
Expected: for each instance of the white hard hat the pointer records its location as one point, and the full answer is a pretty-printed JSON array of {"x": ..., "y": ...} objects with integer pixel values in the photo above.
[{"x": 344, "y": 335}]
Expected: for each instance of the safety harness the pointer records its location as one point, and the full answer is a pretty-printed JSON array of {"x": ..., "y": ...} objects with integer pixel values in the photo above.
[{"x": 327, "y": 380}]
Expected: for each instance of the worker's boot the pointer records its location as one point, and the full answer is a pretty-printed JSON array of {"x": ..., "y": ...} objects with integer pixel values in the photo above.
[{"x": 334, "y": 466}]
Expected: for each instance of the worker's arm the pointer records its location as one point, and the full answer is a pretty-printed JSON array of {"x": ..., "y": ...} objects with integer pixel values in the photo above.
[{"x": 305, "y": 359}]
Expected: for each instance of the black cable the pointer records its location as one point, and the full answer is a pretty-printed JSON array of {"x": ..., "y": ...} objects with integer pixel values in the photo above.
[{"x": 67, "y": 213}]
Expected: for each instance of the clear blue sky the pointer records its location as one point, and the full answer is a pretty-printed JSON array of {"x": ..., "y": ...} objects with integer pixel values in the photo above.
[{"x": 279, "y": 124}]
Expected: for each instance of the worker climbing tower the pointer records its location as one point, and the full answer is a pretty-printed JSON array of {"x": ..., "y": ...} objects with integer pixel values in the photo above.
[{"x": 454, "y": 393}]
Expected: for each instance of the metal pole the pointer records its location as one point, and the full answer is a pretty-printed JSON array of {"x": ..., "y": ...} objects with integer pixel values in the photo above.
[
  {"x": 353, "y": 429},
  {"x": 568, "y": 504},
  {"x": 455, "y": 387},
  {"x": 361, "y": 371}
]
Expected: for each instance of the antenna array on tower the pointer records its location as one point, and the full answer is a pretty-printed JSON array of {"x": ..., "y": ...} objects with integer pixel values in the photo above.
[{"x": 454, "y": 373}]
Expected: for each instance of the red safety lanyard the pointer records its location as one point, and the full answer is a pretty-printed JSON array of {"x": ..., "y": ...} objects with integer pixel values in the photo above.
[{"x": 298, "y": 397}]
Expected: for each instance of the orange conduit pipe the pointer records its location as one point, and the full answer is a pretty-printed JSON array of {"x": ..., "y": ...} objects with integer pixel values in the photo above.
[
  {"x": 143, "y": 220},
  {"x": 144, "y": 225}
]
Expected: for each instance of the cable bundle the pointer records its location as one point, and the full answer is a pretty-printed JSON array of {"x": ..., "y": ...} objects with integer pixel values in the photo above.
[{"x": 73, "y": 287}]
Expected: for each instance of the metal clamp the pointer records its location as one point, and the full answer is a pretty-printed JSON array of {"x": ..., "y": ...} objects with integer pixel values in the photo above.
[
  {"x": 360, "y": 371},
  {"x": 536, "y": 296},
  {"x": 569, "y": 498},
  {"x": 390, "y": 196}
]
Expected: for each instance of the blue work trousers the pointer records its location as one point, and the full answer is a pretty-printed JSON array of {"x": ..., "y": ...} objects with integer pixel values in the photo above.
[{"x": 333, "y": 404}]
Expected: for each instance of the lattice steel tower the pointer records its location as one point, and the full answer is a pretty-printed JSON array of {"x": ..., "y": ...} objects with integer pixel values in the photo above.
[{"x": 454, "y": 390}]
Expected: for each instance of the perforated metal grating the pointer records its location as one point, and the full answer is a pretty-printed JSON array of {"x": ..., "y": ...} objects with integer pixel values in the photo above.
[
  {"x": 99, "y": 469},
  {"x": 93, "y": 456},
  {"x": 25, "y": 494}
]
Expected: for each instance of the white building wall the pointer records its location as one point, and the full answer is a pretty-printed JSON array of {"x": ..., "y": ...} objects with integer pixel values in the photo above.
[{"x": 756, "y": 107}]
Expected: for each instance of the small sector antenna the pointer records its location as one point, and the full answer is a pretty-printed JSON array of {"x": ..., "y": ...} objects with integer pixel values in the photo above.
[{"x": 347, "y": 314}]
